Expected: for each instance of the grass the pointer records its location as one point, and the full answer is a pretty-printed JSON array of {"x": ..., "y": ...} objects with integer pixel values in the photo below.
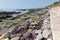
[
  {"x": 35, "y": 18},
  {"x": 11, "y": 22}
]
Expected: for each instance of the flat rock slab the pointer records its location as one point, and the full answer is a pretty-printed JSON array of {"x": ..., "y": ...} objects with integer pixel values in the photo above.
[{"x": 15, "y": 38}]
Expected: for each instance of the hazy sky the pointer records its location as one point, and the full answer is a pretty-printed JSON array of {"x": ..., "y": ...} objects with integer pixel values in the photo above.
[{"x": 23, "y": 4}]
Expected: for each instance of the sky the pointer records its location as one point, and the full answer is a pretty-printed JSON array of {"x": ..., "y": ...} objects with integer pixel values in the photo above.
[{"x": 24, "y": 4}]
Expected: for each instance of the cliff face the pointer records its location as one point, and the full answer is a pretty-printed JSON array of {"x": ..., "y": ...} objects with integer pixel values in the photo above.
[{"x": 55, "y": 20}]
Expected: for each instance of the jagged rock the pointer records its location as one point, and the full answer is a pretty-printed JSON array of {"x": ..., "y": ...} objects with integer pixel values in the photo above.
[{"x": 46, "y": 33}]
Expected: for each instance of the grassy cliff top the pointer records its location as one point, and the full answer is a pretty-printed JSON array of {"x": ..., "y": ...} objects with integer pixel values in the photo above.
[{"x": 55, "y": 4}]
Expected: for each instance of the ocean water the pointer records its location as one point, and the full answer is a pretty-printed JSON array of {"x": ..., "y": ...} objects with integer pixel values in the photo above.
[
  {"x": 22, "y": 12},
  {"x": 14, "y": 10}
]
